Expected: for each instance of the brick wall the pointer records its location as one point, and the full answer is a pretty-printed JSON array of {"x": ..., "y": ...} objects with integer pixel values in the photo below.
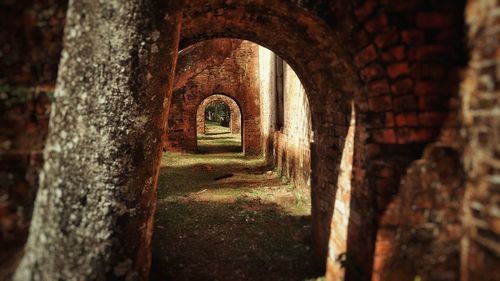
[
  {"x": 268, "y": 99},
  {"x": 30, "y": 32},
  {"x": 409, "y": 55},
  {"x": 288, "y": 142},
  {"x": 421, "y": 229},
  {"x": 292, "y": 154}
]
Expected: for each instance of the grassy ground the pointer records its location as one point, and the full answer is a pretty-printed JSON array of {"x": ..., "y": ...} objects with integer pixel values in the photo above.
[
  {"x": 218, "y": 139},
  {"x": 227, "y": 217}
]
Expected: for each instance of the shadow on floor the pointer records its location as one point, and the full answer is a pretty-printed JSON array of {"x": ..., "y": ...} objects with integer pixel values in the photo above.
[
  {"x": 219, "y": 143},
  {"x": 248, "y": 226}
]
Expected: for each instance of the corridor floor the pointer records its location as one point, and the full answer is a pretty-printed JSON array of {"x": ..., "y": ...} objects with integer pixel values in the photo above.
[
  {"x": 227, "y": 217},
  {"x": 218, "y": 139}
]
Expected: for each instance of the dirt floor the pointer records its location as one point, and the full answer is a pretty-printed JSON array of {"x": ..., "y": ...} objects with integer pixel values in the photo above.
[{"x": 226, "y": 217}]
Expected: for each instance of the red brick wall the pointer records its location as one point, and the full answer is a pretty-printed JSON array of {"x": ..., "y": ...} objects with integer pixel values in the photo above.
[
  {"x": 421, "y": 228},
  {"x": 286, "y": 143},
  {"x": 30, "y": 32},
  {"x": 268, "y": 83},
  {"x": 292, "y": 152},
  {"x": 409, "y": 55}
]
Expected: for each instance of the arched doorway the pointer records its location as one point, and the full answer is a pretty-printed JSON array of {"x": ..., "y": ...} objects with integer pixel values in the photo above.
[
  {"x": 260, "y": 209},
  {"x": 330, "y": 83},
  {"x": 219, "y": 125}
]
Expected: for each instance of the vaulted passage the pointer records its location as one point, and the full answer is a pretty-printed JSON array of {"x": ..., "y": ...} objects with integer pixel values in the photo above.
[
  {"x": 381, "y": 117},
  {"x": 237, "y": 205}
]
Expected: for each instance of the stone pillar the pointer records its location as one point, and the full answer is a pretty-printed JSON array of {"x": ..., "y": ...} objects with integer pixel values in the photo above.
[
  {"x": 94, "y": 210},
  {"x": 481, "y": 118}
]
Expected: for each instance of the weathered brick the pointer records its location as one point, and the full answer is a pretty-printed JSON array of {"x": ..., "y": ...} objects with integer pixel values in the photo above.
[
  {"x": 422, "y": 135},
  {"x": 403, "y": 135},
  {"x": 378, "y": 87},
  {"x": 398, "y": 69},
  {"x": 372, "y": 71},
  {"x": 435, "y": 20},
  {"x": 389, "y": 119},
  {"x": 397, "y": 53},
  {"x": 402, "y": 86},
  {"x": 365, "y": 10},
  {"x": 377, "y": 104},
  {"x": 407, "y": 119},
  {"x": 377, "y": 23},
  {"x": 384, "y": 136},
  {"x": 414, "y": 37},
  {"x": 386, "y": 39},
  {"x": 366, "y": 55}
]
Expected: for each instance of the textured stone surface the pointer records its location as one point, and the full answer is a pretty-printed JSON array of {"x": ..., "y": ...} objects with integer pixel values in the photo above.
[
  {"x": 481, "y": 119},
  {"x": 89, "y": 221}
]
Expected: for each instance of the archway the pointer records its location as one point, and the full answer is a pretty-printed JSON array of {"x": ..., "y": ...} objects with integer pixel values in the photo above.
[
  {"x": 378, "y": 125},
  {"x": 209, "y": 140},
  {"x": 202, "y": 80},
  {"x": 288, "y": 188},
  {"x": 330, "y": 83}
]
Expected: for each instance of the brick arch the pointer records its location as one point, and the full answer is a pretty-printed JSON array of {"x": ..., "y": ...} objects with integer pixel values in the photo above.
[
  {"x": 409, "y": 56},
  {"x": 379, "y": 56},
  {"x": 325, "y": 69},
  {"x": 234, "y": 108},
  {"x": 302, "y": 39}
]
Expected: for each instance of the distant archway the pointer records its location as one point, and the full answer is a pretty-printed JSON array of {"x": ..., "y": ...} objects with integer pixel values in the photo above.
[
  {"x": 235, "y": 117},
  {"x": 235, "y": 130},
  {"x": 206, "y": 79}
]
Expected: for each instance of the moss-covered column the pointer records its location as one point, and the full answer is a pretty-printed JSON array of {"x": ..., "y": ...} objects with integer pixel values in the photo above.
[{"x": 94, "y": 209}]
